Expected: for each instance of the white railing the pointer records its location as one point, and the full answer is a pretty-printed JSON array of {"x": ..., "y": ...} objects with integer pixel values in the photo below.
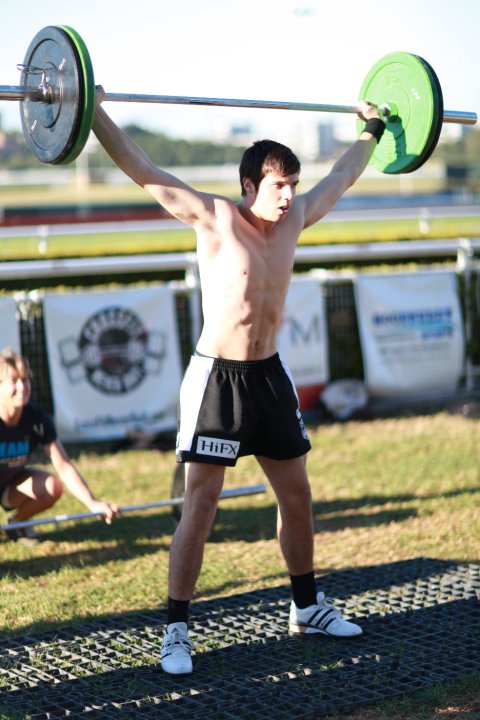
[{"x": 321, "y": 254}]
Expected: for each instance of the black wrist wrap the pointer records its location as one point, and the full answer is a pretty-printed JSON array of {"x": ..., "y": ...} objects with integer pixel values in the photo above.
[{"x": 376, "y": 127}]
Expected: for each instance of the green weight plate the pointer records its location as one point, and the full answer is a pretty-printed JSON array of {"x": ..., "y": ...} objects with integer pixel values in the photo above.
[
  {"x": 404, "y": 80},
  {"x": 88, "y": 101},
  {"x": 50, "y": 128}
]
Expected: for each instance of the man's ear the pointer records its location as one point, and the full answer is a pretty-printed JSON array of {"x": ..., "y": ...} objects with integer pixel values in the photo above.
[{"x": 248, "y": 186}]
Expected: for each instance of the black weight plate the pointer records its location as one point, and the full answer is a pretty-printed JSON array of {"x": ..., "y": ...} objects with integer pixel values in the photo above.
[{"x": 51, "y": 128}]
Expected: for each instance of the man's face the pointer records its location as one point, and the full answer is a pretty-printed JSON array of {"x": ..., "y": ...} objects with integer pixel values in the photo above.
[
  {"x": 275, "y": 195},
  {"x": 15, "y": 389}
]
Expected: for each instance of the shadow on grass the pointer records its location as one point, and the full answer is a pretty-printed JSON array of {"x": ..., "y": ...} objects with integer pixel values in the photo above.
[
  {"x": 257, "y": 523},
  {"x": 126, "y": 538},
  {"x": 136, "y": 536},
  {"x": 246, "y": 665}
]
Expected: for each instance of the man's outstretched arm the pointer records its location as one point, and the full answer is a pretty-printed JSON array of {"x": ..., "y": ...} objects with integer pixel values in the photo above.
[
  {"x": 344, "y": 173},
  {"x": 182, "y": 201}
]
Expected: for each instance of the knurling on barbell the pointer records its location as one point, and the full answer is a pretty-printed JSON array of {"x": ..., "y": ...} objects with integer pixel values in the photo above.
[{"x": 57, "y": 113}]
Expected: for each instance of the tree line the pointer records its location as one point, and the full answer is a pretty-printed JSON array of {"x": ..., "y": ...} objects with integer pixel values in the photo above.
[{"x": 165, "y": 151}]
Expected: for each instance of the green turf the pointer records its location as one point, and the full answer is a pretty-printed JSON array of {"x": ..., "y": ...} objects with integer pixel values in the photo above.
[{"x": 39, "y": 245}]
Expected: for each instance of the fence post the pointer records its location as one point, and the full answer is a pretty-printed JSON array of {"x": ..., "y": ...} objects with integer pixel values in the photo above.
[
  {"x": 43, "y": 233},
  {"x": 465, "y": 264}
]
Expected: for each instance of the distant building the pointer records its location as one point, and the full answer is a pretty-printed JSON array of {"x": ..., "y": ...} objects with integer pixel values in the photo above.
[
  {"x": 225, "y": 133},
  {"x": 327, "y": 140}
]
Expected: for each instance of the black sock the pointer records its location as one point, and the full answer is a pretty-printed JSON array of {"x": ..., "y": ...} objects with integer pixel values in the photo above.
[
  {"x": 304, "y": 590},
  {"x": 177, "y": 611}
]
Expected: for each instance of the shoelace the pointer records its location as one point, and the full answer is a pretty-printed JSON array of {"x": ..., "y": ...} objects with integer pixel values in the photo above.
[
  {"x": 175, "y": 639},
  {"x": 328, "y": 605}
]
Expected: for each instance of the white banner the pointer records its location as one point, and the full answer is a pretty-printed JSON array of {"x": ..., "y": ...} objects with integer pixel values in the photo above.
[
  {"x": 114, "y": 362},
  {"x": 9, "y": 331},
  {"x": 411, "y": 332},
  {"x": 302, "y": 339}
]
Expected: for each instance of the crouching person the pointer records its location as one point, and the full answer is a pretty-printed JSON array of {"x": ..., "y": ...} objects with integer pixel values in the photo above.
[{"x": 26, "y": 491}]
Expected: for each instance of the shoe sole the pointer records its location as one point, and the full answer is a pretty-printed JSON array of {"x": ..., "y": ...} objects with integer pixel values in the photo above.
[
  {"x": 182, "y": 672},
  {"x": 309, "y": 630}
]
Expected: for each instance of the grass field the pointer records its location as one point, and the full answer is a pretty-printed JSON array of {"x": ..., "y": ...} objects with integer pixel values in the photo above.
[
  {"x": 384, "y": 490},
  {"x": 34, "y": 246}
]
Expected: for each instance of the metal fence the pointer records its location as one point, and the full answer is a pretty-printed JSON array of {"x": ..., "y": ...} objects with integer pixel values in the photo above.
[{"x": 345, "y": 355}]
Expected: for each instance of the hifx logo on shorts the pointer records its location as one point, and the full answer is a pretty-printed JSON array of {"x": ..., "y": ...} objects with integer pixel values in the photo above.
[{"x": 217, "y": 447}]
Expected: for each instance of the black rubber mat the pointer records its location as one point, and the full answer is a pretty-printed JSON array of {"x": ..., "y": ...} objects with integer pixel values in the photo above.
[{"x": 421, "y": 622}]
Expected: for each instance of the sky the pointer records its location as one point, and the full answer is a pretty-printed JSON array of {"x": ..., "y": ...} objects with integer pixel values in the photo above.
[{"x": 286, "y": 50}]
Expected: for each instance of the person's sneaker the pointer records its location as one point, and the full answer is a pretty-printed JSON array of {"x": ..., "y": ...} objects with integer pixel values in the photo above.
[
  {"x": 176, "y": 647},
  {"x": 25, "y": 535},
  {"x": 321, "y": 618}
]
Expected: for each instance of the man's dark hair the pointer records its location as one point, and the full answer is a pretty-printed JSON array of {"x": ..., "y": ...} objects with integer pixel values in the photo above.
[{"x": 266, "y": 156}]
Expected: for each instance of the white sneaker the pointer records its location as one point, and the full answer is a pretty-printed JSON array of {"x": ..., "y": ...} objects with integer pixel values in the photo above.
[
  {"x": 321, "y": 618},
  {"x": 176, "y": 647}
]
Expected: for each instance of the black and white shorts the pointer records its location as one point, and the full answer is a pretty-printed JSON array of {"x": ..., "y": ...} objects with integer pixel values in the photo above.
[{"x": 230, "y": 408}]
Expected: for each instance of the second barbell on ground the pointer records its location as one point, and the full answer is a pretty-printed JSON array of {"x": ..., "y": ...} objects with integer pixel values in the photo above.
[{"x": 175, "y": 502}]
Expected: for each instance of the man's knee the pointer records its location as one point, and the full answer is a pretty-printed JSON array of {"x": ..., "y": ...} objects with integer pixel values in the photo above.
[
  {"x": 200, "y": 506},
  {"x": 201, "y": 496},
  {"x": 298, "y": 499}
]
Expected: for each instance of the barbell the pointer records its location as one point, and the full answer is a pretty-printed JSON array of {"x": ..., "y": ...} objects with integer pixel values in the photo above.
[
  {"x": 57, "y": 98},
  {"x": 172, "y": 502}
]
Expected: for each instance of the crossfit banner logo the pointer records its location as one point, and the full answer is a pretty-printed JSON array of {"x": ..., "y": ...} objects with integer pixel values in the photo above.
[
  {"x": 114, "y": 358},
  {"x": 114, "y": 351},
  {"x": 218, "y": 447}
]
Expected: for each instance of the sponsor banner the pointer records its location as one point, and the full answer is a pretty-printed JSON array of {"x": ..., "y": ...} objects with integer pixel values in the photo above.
[
  {"x": 114, "y": 361},
  {"x": 411, "y": 332},
  {"x": 9, "y": 331},
  {"x": 302, "y": 339}
]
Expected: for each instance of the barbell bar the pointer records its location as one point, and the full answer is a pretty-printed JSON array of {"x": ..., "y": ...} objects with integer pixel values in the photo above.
[
  {"x": 21, "y": 93},
  {"x": 57, "y": 112},
  {"x": 56, "y": 519}
]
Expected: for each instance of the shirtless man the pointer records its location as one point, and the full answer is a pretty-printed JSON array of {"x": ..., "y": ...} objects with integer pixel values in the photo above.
[
  {"x": 237, "y": 396},
  {"x": 27, "y": 490}
]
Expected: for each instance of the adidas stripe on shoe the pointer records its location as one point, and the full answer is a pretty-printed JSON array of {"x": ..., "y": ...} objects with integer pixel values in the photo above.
[{"x": 321, "y": 618}]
